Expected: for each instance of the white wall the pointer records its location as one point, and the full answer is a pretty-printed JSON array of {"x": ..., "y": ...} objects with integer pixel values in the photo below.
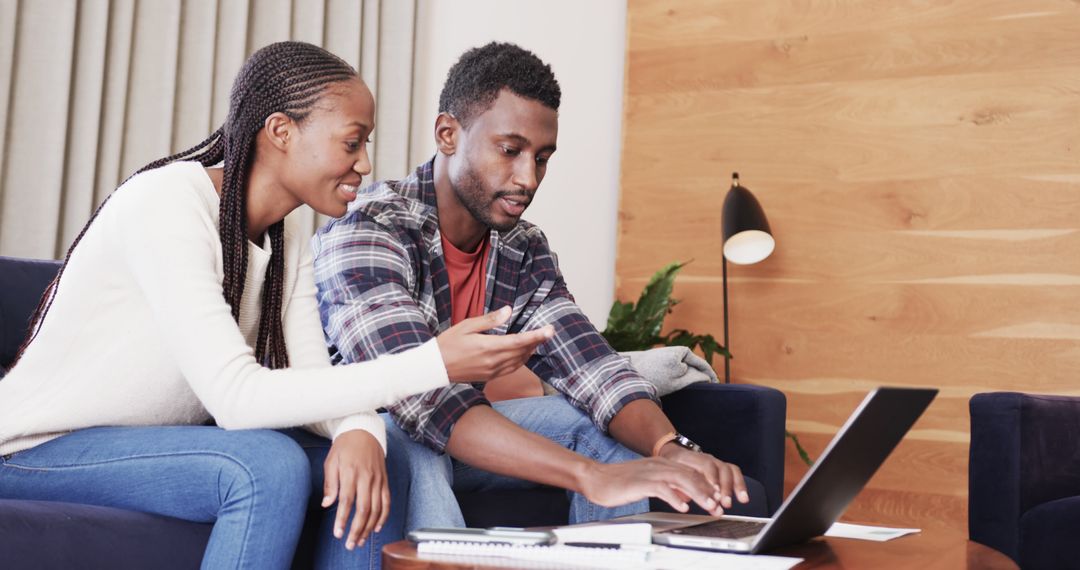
[{"x": 585, "y": 43}]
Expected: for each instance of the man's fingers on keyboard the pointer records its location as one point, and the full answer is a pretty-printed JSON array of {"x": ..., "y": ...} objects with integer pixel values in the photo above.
[
  {"x": 693, "y": 485},
  {"x": 671, "y": 496},
  {"x": 739, "y": 486}
]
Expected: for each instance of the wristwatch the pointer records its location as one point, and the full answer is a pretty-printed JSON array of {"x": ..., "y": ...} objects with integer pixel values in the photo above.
[
  {"x": 676, "y": 438},
  {"x": 683, "y": 441}
]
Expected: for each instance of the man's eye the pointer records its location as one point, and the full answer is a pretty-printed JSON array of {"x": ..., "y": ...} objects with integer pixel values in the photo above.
[
  {"x": 511, "y": 151},
  {"x": 542, "y": 159},
  {"x": 353, "y": 146}
]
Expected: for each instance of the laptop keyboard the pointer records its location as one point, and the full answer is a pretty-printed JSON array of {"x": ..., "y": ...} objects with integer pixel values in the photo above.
[{"x": 723, "y": 529}]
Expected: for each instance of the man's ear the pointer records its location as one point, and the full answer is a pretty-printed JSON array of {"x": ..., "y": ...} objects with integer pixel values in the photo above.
[
  {"x": 278, "y": 129},
  {"x": 447, "y": 129}
]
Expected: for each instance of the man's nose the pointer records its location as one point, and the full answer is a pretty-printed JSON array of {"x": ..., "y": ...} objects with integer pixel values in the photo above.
[{"x": 525, "y": 175}]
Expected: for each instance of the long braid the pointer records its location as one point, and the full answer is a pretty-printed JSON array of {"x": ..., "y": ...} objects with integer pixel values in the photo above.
[
  {"x": 270, "y": 332},
  {"x": 287, "y": 77},
  {"x": 233, "y": 225}
]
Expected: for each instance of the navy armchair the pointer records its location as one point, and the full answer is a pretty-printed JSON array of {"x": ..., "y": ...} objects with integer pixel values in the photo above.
[
  {"x": 1024, "y": 477},
  {"x": 739, "y": 423}
]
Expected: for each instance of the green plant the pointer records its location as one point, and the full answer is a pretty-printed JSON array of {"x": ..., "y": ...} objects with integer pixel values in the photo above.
[{"x": 637, "y": 326}]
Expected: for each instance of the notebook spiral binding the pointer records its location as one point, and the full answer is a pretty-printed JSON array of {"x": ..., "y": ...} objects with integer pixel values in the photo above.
[{"x": 560, "y": 556}]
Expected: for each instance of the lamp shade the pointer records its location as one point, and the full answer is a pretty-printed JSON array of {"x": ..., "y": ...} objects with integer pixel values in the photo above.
[{"x": 747, "y": 237}]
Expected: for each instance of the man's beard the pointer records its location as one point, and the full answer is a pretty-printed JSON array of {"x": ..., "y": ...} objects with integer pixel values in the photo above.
[{"x": 470, "y": 192}]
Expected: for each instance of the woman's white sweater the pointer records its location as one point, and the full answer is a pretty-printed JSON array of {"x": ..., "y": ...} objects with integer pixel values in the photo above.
[{"x": 140, "y": 334}]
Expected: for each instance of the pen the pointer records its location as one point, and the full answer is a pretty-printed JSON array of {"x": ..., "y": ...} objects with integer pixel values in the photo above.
[{"x": 593, "y": 545}]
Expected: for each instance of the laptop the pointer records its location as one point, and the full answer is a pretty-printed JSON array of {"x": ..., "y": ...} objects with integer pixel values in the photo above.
[{"x": 847, "y": 464}]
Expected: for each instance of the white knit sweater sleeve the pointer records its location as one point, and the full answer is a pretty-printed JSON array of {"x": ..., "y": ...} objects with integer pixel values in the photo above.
[
  {"x": 169, "y": 243},
  {"x": 307, "y": 347}
]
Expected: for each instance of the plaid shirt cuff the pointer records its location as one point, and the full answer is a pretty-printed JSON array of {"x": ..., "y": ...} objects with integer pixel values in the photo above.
[
  {"x": 621, "y": 393},
  {"x": 443, "y": 418}
]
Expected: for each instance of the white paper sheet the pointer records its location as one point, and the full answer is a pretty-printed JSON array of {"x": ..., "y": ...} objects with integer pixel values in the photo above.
[
  {"x": 665, "y": 558},
  {"x": 867, "y": 532},
  {"x": 637, "y": 533}
]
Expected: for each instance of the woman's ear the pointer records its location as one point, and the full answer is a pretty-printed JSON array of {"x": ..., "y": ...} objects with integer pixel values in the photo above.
[
  {"x": 447, "y": 129},
  {"x": 278, "y": 129}
]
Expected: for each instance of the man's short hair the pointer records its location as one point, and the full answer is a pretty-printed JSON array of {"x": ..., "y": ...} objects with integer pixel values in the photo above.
[{"x": 474, "y": 82}]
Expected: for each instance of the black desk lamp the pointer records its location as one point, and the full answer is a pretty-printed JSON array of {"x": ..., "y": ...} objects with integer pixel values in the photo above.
[{"x": 747, "y": 240}]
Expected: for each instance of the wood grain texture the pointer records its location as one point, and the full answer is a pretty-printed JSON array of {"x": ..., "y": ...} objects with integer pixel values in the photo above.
[{"x": 918, "y": 162}]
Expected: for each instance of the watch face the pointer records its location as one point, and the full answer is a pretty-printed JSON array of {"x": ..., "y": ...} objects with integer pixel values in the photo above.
[{"x": 684, "y": 441}]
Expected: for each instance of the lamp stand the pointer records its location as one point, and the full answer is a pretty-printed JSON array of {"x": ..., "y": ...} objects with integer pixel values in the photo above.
[{"x": 727, "y": 346}]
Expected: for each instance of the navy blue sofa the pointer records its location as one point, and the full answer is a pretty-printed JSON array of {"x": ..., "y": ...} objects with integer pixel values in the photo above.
[
  {"x": 1024, "y": 477},
  {"x": 739, "y": 423}
]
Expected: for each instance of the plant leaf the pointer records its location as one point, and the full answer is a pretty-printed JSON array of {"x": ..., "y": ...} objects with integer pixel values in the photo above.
[
  {"x": 621, "y": 316},
  {"x": 655, "y": 301},
  {"x": 637, "y": 327},
  {"x": 799, "y": 448}
]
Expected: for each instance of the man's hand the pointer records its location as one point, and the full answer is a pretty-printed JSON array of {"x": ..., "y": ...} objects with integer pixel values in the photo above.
[
  {"x": 616, "y": 484},
  {"x": 725, "y": 478},
  {"x": 639, "y": 425},
  {"x": 355, "y": 472}
]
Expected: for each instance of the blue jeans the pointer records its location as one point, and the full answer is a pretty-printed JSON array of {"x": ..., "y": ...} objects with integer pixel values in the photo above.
[
  {"x": 330, "y": 552},
  {"x": 253, "y": 483},
  {"x": 433, "y": 477}
]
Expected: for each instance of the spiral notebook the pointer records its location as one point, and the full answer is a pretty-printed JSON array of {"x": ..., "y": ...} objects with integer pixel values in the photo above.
[
  {"x": 627, "y": 557},
  {"x": 555, "y": 556}
]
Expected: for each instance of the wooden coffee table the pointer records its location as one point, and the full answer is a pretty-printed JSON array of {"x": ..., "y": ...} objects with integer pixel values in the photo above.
[{"x": 931, "y": 550}]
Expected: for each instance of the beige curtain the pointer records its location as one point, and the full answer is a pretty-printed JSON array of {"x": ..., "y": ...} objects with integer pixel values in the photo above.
[{"x": 91, "y": 90}]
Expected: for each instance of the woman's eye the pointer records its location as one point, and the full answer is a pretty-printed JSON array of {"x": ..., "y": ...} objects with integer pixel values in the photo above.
[{"x": 353, "y": 146}]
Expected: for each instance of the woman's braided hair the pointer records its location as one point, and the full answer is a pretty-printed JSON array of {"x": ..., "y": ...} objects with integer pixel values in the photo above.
[{"x": 286, "y": 77}]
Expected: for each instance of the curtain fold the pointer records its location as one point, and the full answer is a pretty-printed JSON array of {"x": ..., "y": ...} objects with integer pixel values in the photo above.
[{"x": 91, "y": 90}]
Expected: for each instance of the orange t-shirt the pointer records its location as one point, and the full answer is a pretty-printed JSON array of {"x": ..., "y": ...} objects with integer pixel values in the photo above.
[
  {"x": 467, "y": 272},
  {"x": 468, "y": 283}
]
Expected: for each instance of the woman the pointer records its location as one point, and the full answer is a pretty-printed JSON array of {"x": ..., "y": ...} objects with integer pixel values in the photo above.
[{"x": 188, "y": 297}]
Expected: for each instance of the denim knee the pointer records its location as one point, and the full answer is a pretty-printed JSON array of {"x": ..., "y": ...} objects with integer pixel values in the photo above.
[
  {"x": 410, "y": 460},
  {"x": 268, "y": 463}
]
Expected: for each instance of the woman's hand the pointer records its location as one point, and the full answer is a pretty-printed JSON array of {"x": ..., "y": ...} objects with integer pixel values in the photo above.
[
  {"x": 471, "y": 356},
  {"x": 355, "y": 473}
]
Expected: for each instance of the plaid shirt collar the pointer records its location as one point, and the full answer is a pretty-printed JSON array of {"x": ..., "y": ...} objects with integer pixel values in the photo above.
[
  {"x": 420, "y": 187},
  {"x": 509, "y": 248}
]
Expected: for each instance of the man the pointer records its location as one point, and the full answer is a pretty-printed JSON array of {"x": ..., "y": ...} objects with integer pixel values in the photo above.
[{"x": 414, "y": 256}]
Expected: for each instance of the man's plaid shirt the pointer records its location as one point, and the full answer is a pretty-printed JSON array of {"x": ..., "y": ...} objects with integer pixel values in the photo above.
[{"x": 383, "y": 288}]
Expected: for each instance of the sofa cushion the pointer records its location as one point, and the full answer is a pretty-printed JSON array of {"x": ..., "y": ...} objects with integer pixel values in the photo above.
[
  {"x": 546, "y": 506},
  {"x": 47, "y": 535},
  {"x": 1048, "y": 535}
]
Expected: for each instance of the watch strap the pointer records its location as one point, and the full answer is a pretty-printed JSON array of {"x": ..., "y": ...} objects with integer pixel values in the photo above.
[{"x": 664, "y": 439}]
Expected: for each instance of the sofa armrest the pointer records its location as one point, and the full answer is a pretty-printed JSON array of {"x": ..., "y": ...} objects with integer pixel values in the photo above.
[
  {"x": 1025, "y": 451},
  {"x": 739, "y": 423}
]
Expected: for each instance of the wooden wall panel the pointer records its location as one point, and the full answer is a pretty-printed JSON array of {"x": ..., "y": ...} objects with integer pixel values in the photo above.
[{"x": 918, "y": 161}]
